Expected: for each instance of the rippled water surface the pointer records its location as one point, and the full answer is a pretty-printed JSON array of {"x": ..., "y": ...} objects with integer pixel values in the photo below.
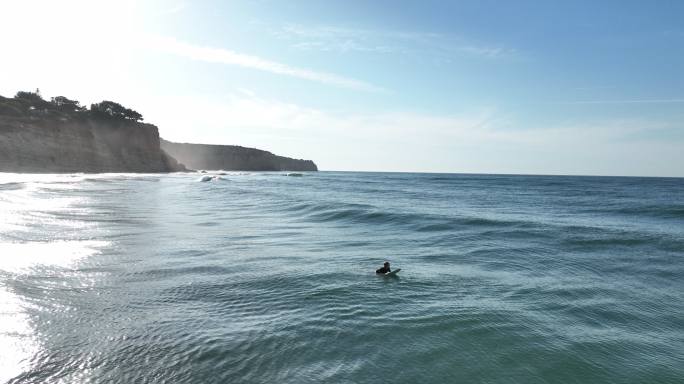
[{"x": 263, "y": 278}]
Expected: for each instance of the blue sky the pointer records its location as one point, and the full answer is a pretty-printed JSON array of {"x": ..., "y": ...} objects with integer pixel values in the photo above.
[{"x": 544, "y": 87}]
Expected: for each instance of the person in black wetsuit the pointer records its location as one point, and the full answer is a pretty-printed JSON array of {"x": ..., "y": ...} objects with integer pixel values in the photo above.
[{"x": 384, "y": 269}]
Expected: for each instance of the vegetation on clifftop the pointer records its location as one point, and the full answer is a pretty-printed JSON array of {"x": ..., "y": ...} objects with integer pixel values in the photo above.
[{"x": 32, "y": 104}]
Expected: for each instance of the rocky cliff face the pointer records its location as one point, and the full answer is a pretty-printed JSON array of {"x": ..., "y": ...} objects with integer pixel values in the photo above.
[
  {"x": 231, "y": 157},
  {"x": 47, "y": 144}
]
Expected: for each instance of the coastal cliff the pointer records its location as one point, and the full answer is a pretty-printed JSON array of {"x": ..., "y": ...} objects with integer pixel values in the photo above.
[
  {"x": 232, "y": 157},
  {"x": 61, "y": 136},
  {"x": 46, "y": 145}
]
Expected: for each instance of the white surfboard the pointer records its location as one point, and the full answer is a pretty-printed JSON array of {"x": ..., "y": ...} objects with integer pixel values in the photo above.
[{"x": 393, "y": 273}]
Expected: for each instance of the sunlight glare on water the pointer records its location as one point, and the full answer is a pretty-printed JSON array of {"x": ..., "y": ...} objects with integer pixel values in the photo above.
[{"x": 26, "y": 250}]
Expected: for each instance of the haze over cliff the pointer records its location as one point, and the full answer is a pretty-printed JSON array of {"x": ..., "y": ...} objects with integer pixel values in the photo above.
[
  {"x": 232, "y": 157},
  {"x": 81, "y": 146}
]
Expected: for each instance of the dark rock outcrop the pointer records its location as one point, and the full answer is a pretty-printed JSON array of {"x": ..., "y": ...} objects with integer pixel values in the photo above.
[{"x": 232, "y": 157}]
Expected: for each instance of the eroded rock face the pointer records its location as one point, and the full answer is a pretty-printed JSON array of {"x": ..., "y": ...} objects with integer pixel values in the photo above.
[
  {"x": 45, "y": 144},
  {"x": 232, "y": 157}
]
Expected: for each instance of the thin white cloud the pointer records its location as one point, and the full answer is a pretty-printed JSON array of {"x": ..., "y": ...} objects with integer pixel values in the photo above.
[
  {"x": 339, "y": 39},
  {"x": 593, "y": 88},
  {"x": 225, "y": 56},
  {"x": 176, "y": 8},
  {"x": 485, "y": 126},
  {"x": 644, "y": 101}
]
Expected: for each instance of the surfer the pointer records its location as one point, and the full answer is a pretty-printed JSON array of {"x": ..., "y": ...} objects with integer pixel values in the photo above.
[{"x": 384, "y": 269}]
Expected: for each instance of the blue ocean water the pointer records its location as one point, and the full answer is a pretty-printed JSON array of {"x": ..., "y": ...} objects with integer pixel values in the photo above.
[{"x": 263, "y": 278}]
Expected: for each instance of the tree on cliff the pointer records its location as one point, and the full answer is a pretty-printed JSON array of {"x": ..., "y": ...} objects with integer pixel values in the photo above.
[
  {"x": 66, "y": 104},
  {"x": 112, "y": 109},
  {"x": 32, "y": 98}
]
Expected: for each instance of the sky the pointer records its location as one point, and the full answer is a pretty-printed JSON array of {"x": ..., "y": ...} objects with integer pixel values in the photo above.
[{"x": 526, "y": 87}]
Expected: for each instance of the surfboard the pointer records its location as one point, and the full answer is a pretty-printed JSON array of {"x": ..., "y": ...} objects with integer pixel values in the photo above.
[{"x": 393, "y": 273}]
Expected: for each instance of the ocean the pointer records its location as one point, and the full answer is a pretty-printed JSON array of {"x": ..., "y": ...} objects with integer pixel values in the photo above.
[{"x": 265, "y": 278}]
